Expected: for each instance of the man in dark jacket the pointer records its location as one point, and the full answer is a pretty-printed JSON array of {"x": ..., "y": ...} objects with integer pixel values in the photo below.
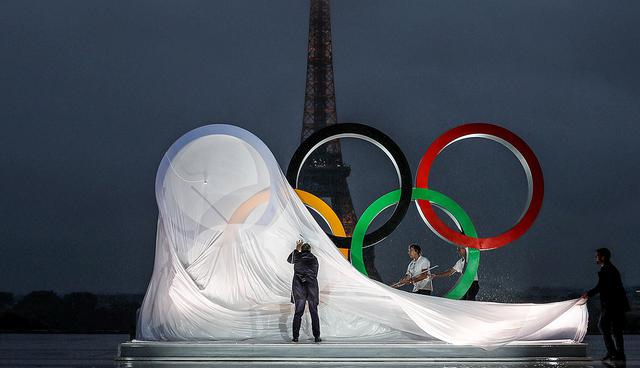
[
  {"x": 305, "y": 288},
  {"x": 614, "y": 304}
]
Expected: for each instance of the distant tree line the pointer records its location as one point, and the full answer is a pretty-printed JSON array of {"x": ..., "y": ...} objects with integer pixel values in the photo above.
[
  {"x": 46, "y": 311},
  {"x": 82, "y": 312}
]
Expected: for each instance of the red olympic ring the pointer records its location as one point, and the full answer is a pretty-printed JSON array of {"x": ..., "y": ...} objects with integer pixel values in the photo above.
[{"x": 529, "y": 163}]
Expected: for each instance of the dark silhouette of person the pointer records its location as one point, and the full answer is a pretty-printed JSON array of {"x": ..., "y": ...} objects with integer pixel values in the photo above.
[
  {"x": 613, "y": 305},
  {"x": 305, "y": 288}
]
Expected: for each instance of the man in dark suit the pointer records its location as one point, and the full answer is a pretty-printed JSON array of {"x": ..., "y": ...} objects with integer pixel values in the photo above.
[
  {"x": 305, "y": 288},
  {"x": 614, "y": 304}
]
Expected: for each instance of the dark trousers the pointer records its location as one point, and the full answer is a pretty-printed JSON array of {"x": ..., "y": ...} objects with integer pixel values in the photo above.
[
  {"x": 472, "y": 292},
  {"x": 297, "y": 318},
  {"x": 611, "y": 324},
  {"x": 423, "y": 292}
]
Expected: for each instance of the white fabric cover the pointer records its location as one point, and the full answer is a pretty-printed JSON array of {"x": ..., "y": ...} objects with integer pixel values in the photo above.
[{"x": 221, "y": 273}]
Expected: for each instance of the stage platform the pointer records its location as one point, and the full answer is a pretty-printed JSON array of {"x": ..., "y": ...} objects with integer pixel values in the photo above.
[{"x": 351, "y": 351}]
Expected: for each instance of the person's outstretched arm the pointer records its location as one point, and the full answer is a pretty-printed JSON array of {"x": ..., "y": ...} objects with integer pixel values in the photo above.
[
  {"x": 424, "y": 275},
  {"x": 458, "y": 267},
  {"x": 595, "y": 290},
  {"x": 293, "y": 256},
  {"x": 403, "y": 281},
  {"x": 446, "y": 273}
]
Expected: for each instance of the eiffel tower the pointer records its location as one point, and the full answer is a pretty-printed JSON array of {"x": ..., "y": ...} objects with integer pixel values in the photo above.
[{"x": 324, "y": 173}]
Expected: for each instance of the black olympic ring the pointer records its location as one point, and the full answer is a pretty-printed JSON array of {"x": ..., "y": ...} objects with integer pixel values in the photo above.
[{"x": 382, "y": 141}]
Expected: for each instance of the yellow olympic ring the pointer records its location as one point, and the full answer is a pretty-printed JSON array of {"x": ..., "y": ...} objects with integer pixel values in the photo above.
[
  {"x": 327, "y": 214},
  {"x": 311, "y": 201}
]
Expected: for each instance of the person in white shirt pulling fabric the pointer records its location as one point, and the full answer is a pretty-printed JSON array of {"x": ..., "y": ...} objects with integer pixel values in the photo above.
[
  {"x": 459, "y": 267},
  {"x": 417, "y": 272}
]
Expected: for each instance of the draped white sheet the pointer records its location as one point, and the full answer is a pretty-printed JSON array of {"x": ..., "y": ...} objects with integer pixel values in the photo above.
[{"x": 227, "y": 221}]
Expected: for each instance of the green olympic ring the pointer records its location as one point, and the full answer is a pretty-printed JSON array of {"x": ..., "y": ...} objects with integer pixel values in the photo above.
[{"x": 442, "y": 201}]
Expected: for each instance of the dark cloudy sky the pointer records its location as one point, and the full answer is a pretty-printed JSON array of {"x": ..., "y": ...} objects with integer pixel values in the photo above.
[{"x": 93, "y": 92}]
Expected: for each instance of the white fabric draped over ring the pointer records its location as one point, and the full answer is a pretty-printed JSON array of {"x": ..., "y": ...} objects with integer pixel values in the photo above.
[{"x": 228, "y": 220}]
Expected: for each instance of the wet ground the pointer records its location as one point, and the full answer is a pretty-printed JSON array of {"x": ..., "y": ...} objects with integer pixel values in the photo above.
[{"x": 97, "y": 351}]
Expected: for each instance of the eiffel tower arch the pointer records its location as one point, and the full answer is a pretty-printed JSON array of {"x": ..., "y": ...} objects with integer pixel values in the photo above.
[{"x": 324, "y": 173}]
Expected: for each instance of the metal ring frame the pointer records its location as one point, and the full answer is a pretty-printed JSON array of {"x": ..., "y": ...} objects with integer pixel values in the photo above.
[
  {"x": 382, "y": 141},
  {"x": 529, "y": 163}
]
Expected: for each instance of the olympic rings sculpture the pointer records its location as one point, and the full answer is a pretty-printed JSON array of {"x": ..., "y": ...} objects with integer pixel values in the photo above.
[{"x": 425, "y": 198}]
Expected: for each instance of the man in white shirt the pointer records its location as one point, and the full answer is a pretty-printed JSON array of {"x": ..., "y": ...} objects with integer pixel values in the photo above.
[
  {"x": 459, "y": 267},
  {"x": 419, "y": 266}
]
